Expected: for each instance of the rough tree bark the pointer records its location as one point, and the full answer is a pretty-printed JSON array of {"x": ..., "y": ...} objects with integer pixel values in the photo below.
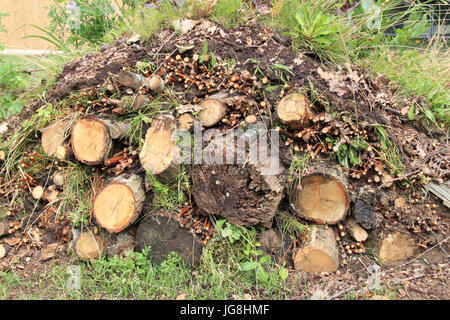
[{"x": 247, "y": 193}]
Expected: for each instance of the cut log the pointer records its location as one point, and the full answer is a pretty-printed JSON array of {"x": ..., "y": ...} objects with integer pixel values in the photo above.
[
  {"x": 396, "y": 246},
  {"x": 155, "y": 83},
  {"x": 186, "y": 122},
  {"x": 89, "y": 246},
  {"x": 319, "y": 253},
  {"x": 294, "y": 111},
  {"x": 212, "y": 112},
  {"x": 53, "y": 137},
  {"x": 64, "y": 152},
  {"x": 163, "y": 233},
  {"x": 320, "y": 197},
  {"x": 245, "y": 193},
  {"x": 119, "y": 203},
  {"x": 159, "y": 153},
  {"x": 355, "y": 230},
  {"x": 92, "y": 138},
  {"x": 4, "y": 227},
  {"x": 37, "y": 192},
  {"x": 130, "y": 80},
  {"x": 364, "y": 210}
]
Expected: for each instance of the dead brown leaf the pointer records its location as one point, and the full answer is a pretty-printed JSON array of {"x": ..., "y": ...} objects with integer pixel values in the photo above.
[
  {"x": 339, "y": 88},
  {"x": 13, "y": 241},
  {"x": 325, "y": 75}
]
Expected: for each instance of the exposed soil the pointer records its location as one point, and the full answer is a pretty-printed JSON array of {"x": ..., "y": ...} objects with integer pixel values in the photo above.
[{"x": 348, "y": 92}]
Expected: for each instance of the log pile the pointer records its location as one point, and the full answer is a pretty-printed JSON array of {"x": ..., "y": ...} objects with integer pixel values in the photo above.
[{"x": 231, "y": 186}]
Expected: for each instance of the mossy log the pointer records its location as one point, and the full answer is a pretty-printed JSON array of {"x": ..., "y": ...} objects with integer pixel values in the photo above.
[{"x": 162, "y": 231}]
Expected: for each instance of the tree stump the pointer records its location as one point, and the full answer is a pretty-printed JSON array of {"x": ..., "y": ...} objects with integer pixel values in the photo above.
[
  {"x": 92, "y": 138},
  {"x": 243, "y": 193},
  {"x": 294, "y": 111},
  {"x": 320, "y": 197},
  {"x": 53, "y": 137},
  {"x": 89, "y": 246},
  {"x": 212, "y": 112},
  {"x": 119, "y": 203},
  {"x": 163, "y": 233},
  {"x": 159, "y": 153},
  {"x": 319, "y": 253}
]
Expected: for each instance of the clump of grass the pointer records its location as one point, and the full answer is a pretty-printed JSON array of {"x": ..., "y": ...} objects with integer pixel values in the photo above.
[
  {"x": 389, "y": 153},
  {"x": 229, "y": 13},
  {"x": 421, "y": 71},
  {"x": 172, "y": 195},
  {"x": 144, "y": 21}
]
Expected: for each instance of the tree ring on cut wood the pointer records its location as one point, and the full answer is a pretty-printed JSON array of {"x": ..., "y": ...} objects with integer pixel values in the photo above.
[
  {"x": 321, "y": 198},
  {"x": 160, "y": 153},
  {"x": 119, "y": 203},
  {"x": 212, "y": 112},
  {"x": 89, "y": 246},
  {"x": 293, "y": 110},
  {"x": 91, "y": 140},
  {"x": 53, "y": 137}
]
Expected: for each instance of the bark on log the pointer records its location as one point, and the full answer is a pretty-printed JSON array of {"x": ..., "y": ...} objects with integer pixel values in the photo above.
[
  {"x": 92, "y": 138},
  {"x": 53, "y": 137},
  {"x": 212, "y": 112},
  {"x": 294, "y": 111},
  {"x": 320, "y": 197},
  {"x": 246, "y": 193},
  {"x": 319, "y": 253},
  {"x": 159, "y": 153},
  {"x": 163, "y": 233},
  {"x": 119, "y": 203},
  {"x": 130, "y": 80},
  {"x": 89, "y": 246}
]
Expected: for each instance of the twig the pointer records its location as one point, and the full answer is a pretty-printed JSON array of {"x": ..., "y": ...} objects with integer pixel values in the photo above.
[{"x": 400, "y": 178}]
